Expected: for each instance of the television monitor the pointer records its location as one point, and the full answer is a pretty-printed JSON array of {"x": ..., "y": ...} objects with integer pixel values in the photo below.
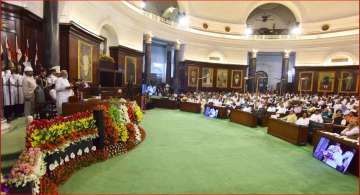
[{"x": 334, "y": 154}]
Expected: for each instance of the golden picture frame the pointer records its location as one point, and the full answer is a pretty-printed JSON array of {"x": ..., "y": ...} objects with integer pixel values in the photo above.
[
  {"x": 306, "y": 81},
  {"x": 344, "y": 81},
  {"x": 222, "y": 78},
  {"x": 130, "y": 69},
  {"x": 193, "y": 76},
  {"x": 236, "y": 79},
  {"x": 326, "y": 81},
  {"x": 208, "y": 77},
  {"x": 85, "y": 62}
]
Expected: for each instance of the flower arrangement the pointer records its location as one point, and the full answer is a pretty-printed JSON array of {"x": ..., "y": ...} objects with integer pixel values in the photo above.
[
  {"x": 28, "y": 168},
  {"x": 111, "y": 129},
  {"x": 138, "y": 113},
  {"x": 49, "y": 135},
  {"x": 46, "y": 137},
  {"x": 131, "y": 113},
  {"x": 64, "y": 171}
]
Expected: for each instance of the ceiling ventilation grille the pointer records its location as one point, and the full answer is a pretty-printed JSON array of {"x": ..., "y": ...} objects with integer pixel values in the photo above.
[
  {"x": 214, "y": 58},
  {"x": 339, "y": 60}
]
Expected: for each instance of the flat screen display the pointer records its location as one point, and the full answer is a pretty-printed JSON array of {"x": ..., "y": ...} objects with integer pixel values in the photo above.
[
  {"x": 334, "y": 154},
  {"x": 211, "y": 112}
]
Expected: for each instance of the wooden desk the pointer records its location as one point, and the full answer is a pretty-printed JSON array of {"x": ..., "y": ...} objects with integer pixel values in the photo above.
[
  {"x": 289, "y": 132},
  {"x": 354, "y": 165},
  {"x": 222, "y": 111},
  {"x": 190, "y": 107},
  {"x": 165, "y": 103},
  {"x": 71, "y": 108},
  {"x": 244, "y": 118}
]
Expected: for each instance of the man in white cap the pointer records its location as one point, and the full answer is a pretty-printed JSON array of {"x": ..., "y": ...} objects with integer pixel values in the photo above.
[
  {"x": 63, "y": 90},
  {"x": 51, "y": 79},
  {"x": 29, "y": 86}
]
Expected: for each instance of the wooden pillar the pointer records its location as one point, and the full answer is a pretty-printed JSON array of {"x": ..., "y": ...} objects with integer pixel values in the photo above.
[
  {"x": 51, "y": 33},
  {"x": 147, "y": 42},
  {"x": 176, "y": 83},
  {"x": 252, "y": 73},
  {"x": 284, "y": 73},
  {"x": 168, "y": 64}
]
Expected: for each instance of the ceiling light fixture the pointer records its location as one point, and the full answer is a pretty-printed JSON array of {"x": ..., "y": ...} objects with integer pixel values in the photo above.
[
  {"x": 248, "y": 31},
  {"x": 142, "y": 4},
  {"x": 296, "y": 30},
  {"x": 184, "y": 20}
]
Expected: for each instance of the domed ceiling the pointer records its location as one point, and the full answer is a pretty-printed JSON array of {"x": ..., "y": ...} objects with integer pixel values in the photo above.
[{"x": 237, "y": 12}]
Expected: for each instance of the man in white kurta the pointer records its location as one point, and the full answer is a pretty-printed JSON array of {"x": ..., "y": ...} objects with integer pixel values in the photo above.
[
  {"x": 20, "y": 105},
  {"x": 63, "y": 90},
  {"x": 51, "y": 79},
  {"x": 29, "y": 86},
  {"x": 5, "y": 75},
  {"x": 13, "y": 91}
]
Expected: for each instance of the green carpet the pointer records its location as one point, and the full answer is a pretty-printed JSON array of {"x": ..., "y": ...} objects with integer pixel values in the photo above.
[
  {"x": 14, "y": 140},
  {"x": 188, "y": 153}
]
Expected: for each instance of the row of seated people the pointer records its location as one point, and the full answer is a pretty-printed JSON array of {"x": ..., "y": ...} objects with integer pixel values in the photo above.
[{"x": 307, "y": 110}]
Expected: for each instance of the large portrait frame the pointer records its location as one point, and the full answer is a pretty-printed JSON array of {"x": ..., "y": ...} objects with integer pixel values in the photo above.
[
  {"x": 130, "y": 69},
  {"x": 85, "y": 62},
  {"x": 306, "y": 81},
  {"x": 193, "y": 76},
  {"x": 349, "y": 81},
  {"x": 326, "y": 81},
  {"x": 222, "y": 78},
  {"x": 208, "y": 77},
  {"x": 236, "y": 79}
]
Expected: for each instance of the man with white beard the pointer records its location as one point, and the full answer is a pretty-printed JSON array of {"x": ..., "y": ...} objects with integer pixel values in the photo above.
[{"x": 63, "y": 90}]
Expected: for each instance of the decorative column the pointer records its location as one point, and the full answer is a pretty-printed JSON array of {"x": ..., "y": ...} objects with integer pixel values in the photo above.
[
  {"x": 284, "y": 72},
  {"x": 252, "y": 73},
  {"x": 176, "y": 83},
  {"x": 51, "y": 34},
  {"x": 168, "y": 64},
  {"x": 148, "y": 41}
]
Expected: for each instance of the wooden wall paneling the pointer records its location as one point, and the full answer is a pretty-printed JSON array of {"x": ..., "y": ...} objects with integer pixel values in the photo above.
[
  {"x": 17, "y": 21},
  {"x": 316, "y": 70},
  {"x": 119, "y": 53},
  {"x": 71, "y": 33},
  {"x": 215, "y": 66}
]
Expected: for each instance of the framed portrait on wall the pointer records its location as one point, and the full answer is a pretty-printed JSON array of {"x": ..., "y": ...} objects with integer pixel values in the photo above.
[
  {"x": 208, "y": 76},
  {"x": 306, "y": 80},
  {"x": 130, "y": 69},
  {"x": 348, "y": 82},
  {"x": 326, "y": 81},
  {"x": 236, "y": 79},
  {"x": 222, "y": 78},
  {"x": 85, "y": 55},
  {"x": 193, "y": 76}
]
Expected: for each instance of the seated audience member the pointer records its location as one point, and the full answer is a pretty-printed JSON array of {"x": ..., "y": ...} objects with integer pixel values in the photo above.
[
  {"x": 247, "y": 109},
  {"x": 297, "y": 109},
  {"x": 281, "y": 109},
  {"x": 290, "y": 118},
  {"x": 316, "y": 117},
  {"x": 326, "y": 115},
  {"x": 303, "y": 120},
  {"x": 352, "y": 130},
  {"x": 338, "y": 118},
  {"x": 271, "y": 108}
]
